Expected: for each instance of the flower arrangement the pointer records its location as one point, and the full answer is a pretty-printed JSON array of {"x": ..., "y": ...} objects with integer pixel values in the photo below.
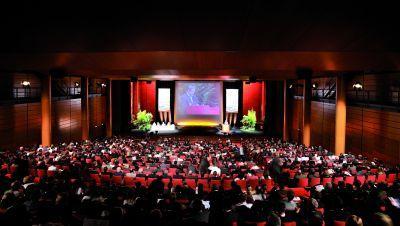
[
  {"x": 249, "y": 121},
  {"x": 143, "y": 121}
]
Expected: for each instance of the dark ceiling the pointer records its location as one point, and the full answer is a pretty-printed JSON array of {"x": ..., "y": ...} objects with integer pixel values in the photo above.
[
  {"x": 199, "y": 25},
  {"x": 267, "y": 39}
]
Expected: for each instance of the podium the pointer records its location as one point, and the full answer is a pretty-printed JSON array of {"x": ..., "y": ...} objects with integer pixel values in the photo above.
[{"x": 226, "y": 128}]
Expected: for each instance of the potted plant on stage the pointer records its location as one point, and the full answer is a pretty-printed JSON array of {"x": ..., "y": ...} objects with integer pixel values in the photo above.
[
  {"x": 249, "y": 121},
  {"x": 143, "y": 121}
]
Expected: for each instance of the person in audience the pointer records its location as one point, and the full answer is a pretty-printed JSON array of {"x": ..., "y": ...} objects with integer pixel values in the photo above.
[{"x": 354, "y": 220}]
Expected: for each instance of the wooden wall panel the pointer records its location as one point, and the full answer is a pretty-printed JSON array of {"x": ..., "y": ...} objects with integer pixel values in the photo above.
[
  {"x": 97, "y": 117},
  {"x": 295, "y": 124},
  {"x": 323, "y": 124},
  {"x": 66, "y": 120},
  {"x": 373, "y": 133},
  {"x": 20, "y": 124}
]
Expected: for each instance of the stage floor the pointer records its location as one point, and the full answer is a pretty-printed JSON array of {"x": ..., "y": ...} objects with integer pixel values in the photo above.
[{"x": 201, "y": 131}]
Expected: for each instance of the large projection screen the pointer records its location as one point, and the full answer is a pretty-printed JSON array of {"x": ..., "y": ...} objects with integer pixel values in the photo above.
[{"x": 198, "y": 103}]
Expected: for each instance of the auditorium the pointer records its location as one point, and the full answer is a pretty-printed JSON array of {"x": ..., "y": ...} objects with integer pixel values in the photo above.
[{"x": 237, "y": 113}]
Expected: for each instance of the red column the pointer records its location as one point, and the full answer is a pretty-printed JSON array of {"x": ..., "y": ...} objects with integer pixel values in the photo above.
[{"x": 46, "y": 110}]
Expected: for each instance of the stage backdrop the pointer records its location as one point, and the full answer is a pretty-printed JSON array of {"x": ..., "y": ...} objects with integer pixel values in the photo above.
[{"x": 198, "y": 103}]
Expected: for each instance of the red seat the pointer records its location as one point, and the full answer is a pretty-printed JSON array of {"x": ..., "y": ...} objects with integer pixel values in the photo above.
[
  {"x": 336, "y": 180},
  {"x": 13, "y": 168},
  {"x": 51, "y": 173},
  {"x": 349, "y": 180},
  {"x": 381, "y": 178},
  {"x": 290, "y": 223},
  {"x": 141, "y": 180},
  {"x": 105, "y": 178},
  {"x": 36, "y": 180},
  {"x": 315, "y": 181},
  {"x": 371, "y": 178},
  {"x": 216, "y": 183},
  {"x": 165, "y": 182},
  {"x": 176, "y": 182},
  {"x": 253, "y": 182},
  {"x": 374, "y": 171},
  {"x": 226, "y": 184},
  {"x": 96, "y": 178},
  {"x": 172, "y": 171},
  {"x": 150, "y": 180},
  {"x": 117, "y": 180},
  {"x": 303, "y": 182},
  {"x": 391, "y": 178},
  {"x": 262, "y": 223},
  {"x": 191, "y": 183},
  {"x": 326, "y": 180},
  {"x": 129, "y": 182},
  {"x": 361, "y": 178},
  {"x": 242, "y": 184},
  {"x": 41, "y": 173},
  {"x": 269, "y": 183},
  {"x": 300, "y": 192},
  {"x": 204, "y": 182},
  {"x": 339, "y": 223}
]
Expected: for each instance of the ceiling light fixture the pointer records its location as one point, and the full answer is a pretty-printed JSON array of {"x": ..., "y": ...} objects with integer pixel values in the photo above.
[
  {"x": 25, "y": 83},
  {"x": 357, "y": 86}
]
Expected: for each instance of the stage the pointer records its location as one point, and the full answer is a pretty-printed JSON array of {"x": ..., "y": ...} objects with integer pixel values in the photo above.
[{"x": 198, "y": 131}]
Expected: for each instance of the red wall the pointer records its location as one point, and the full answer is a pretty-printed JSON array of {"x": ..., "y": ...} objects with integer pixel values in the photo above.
[
  {"x": 254, "y": 98},
  {"x": 147, "y": 97}
]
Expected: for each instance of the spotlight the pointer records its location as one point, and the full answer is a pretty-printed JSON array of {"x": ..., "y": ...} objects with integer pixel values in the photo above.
[
  {"x": 357, "y": 86},
  {"x": 26, "y": 83},
  {"x": 290, "y": 86},
  {"x": 103, "y": 85},
  {"x": 314, "y": 85},
  {"x": 77, "y": 84}
]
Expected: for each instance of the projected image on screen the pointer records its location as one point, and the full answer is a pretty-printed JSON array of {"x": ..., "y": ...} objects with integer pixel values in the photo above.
[{"x": 198, "y": 103}]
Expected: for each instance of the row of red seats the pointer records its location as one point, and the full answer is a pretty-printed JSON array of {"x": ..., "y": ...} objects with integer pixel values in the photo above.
[
  {"x": 193, "y": 183},
  {"x": 380, "y": 178}
]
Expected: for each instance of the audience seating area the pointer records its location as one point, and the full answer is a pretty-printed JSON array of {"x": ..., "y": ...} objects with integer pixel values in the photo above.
[{"x": 182, "y": 181}]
